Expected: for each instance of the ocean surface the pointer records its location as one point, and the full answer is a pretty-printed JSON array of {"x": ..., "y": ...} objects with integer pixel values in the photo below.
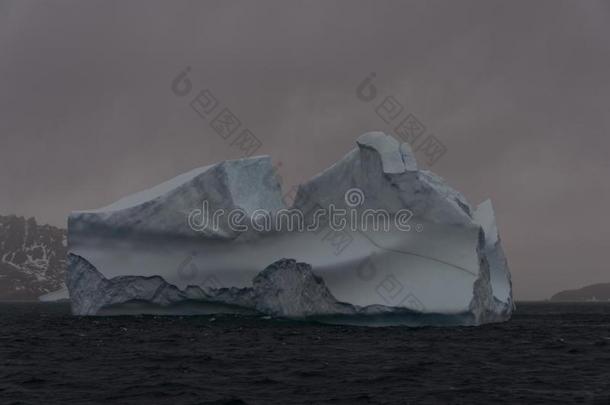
[{"x": 548, "y": 353}]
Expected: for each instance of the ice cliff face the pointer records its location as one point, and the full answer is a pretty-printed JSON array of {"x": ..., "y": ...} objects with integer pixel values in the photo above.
[
  {"x": 499, "y": 275},
  {"x": 285, "y": 288},
  {"x": 446, "y": 263}
]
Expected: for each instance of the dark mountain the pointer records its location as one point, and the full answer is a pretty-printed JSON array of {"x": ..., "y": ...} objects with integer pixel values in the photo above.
[
  {"x": 594, "y": 292},
  {"x": 32, "y": 258}
]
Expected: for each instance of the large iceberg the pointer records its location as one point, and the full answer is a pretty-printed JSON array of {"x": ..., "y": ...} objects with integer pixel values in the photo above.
[{"x": 371, "y": 240}]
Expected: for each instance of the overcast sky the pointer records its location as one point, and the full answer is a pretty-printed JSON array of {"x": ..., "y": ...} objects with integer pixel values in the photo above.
[{"x": 518, "y": 92}]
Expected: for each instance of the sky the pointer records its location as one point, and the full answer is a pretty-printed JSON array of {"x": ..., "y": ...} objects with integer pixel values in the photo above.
[{"x": 517, "y": 92}]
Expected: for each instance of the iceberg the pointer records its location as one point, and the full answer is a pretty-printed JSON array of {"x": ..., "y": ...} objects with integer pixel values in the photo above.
[
  {"x": 371, "y": 240},
  {"x": 55, "y": 296}
]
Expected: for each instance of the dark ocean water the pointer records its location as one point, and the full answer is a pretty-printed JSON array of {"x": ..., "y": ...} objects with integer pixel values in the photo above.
[{"x": 548, "y": 353}]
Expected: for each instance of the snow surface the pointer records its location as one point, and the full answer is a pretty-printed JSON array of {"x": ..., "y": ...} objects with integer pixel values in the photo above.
[{"x": 151, "y": 193}]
